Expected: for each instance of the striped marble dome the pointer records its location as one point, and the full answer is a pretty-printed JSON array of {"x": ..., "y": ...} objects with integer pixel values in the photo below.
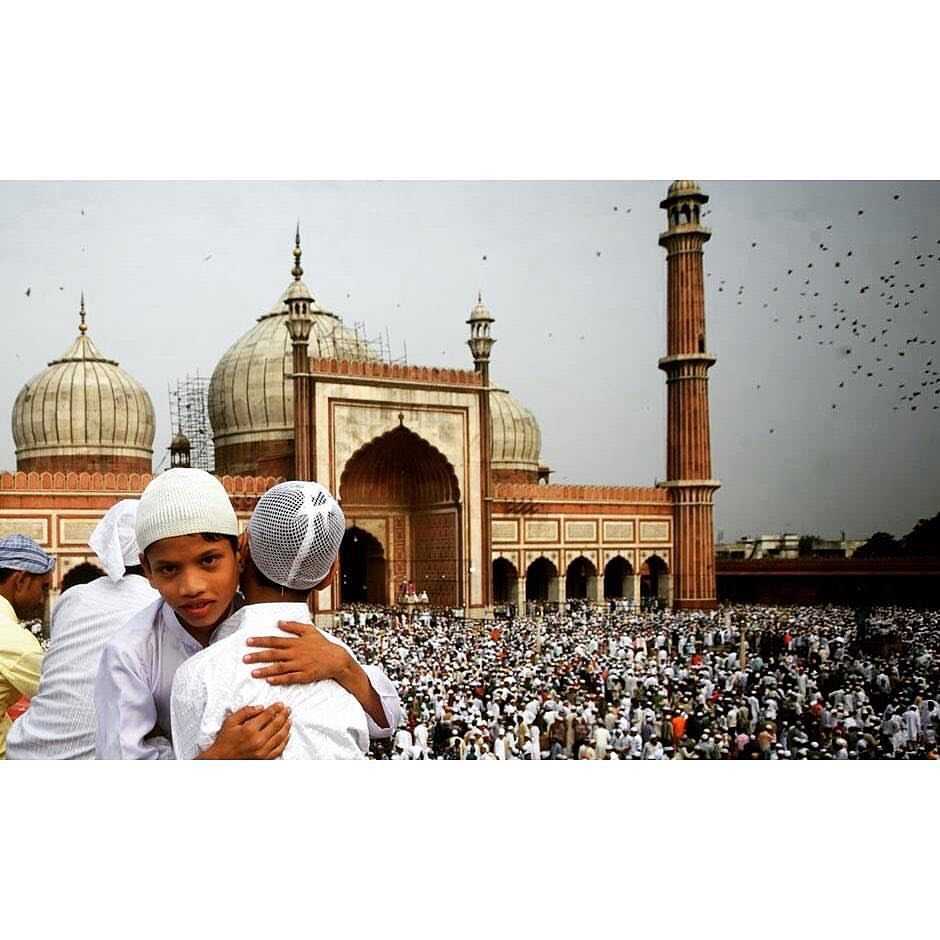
[
  {"x": 517, "y": 441},
  {"x": 251, "y": 397},
  {"x": 83, "y": 412}
]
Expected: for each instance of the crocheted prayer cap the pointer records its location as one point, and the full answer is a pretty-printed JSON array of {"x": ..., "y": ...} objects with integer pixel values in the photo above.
[{"x": 295, "y": 533}]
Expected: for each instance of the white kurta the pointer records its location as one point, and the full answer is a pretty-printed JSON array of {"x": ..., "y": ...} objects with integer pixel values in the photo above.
[
  {"x": 132, "y": 691},
  {"x": 135, "y": 679},
  {"x": 327, "y": 722},
  {"x": 60, "y": 721}
]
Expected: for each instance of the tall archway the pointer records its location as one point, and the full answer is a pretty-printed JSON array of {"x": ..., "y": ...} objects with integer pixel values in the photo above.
[
  {"x": 580, "y": 578},
  {"x": 363, "y": 577},
  {"x": 652, "y": 579},
  {"x": 505, "y": 581},
  {"x": 541, "y": 580},
  {"x": 402, "y": 478},
  {"x": 616, "y": 573}
]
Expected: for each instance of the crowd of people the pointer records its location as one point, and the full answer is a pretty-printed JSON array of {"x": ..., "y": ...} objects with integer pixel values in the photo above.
[
  {"x": 743, "y": 682},
  {"x": 195, "y": 640}
]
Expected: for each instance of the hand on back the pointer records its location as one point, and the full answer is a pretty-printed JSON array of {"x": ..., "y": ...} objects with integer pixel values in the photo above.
[{"x": 252, "y": 733}]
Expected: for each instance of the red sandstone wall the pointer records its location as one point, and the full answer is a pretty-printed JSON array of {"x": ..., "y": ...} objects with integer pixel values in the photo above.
[
  {"x": 97, "y": 490},
  {"x": 262, "y": 458},
  {"x": 99, "y": 463},
  {"x": 515, "y": 476}
]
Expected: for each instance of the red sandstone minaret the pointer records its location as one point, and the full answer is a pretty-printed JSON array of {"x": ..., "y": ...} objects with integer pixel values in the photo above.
[{"x": 688, "y": 445}]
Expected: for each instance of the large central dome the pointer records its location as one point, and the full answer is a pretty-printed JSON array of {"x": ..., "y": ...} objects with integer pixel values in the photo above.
[{"x": 251, "y": 397}]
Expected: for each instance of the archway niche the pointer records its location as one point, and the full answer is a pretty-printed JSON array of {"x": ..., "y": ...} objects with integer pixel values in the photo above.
[
  {"x": 541, "y": 581},
  {"x": 401, "y": 477},
  {"x": 654, "y": 580},
  {"x": 505, "y": 582},
  {"x": 581, "y": 580},
  {"x": 618, "y": 579},
  {"x": 363, "y": 572}
]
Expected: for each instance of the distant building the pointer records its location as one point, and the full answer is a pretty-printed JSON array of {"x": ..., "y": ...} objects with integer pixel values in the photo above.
[{"x": 786, "y": 545}]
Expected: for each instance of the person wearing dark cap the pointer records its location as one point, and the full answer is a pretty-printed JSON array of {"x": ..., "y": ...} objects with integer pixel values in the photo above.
[{"x": 25, "y": 576}]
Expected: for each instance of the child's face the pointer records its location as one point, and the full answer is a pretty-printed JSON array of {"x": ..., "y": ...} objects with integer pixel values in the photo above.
[{"x": 196, "y": 577}]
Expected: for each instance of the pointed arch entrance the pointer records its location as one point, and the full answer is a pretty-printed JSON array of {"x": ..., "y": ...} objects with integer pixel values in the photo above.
[
  {"x": 654, "y": 580},
  {"x": 505, "y": 582},
  {"x": 363, "y": 575},
  {"x": 402, "y": 480},
  {"x": 581, "y": 579},
  {"x": 541, "y": 581},
  {"x": 618, "y": 579}
]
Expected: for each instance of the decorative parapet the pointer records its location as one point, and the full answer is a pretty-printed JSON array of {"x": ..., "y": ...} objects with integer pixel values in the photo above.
[
  {"x": 567, "y": 492},
  {"x": 248, "y": 486},
  {"x": 431, "y": 375},
  {"x": 73, "y": 482},
  {"x": 36, "y": 481}
]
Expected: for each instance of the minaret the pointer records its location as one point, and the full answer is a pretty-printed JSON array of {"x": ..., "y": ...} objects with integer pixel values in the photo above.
[
  {"x": 299, "y": 325},
  {"x": 688, "y": 446},
  {"x": 481, "y": 344}
]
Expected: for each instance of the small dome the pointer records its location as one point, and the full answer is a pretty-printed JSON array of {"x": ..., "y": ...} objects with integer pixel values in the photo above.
[
  {"x": 251, "y": 397},
  {"x": 83, "y": 412},
  {"x": 683, "y": 188},
  {"x": 298, "y": 291},
  {"x": 180, "y": 442},
  {"x": 517, "y": 440},
  {"x": 480, "y": 312}
]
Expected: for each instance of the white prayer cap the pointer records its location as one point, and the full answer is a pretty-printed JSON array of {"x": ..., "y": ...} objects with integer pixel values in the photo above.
[
  {"x": 183, "y": 501},
  {"x": 295, "y": 533},
  {"x": 114, "y": 539}
]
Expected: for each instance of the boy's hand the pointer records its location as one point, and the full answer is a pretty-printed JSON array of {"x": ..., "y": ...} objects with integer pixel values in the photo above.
[
  {"x": 251, "y": 733},
  {"x": 308, "y": 658}
]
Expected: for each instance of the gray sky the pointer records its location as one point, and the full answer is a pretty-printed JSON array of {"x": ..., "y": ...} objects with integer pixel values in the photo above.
[{"x": 578, "y": 333}]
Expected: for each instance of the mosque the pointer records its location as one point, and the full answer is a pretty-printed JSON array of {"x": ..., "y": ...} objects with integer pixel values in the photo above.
[{"x": 438, "y": 472}]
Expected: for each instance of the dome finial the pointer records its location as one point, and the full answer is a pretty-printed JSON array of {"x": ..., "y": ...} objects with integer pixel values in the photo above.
[
  {"x": 479, "y": 297},
  {"x": 81, "y": 313},
  {"x": 298, "y": 271}
]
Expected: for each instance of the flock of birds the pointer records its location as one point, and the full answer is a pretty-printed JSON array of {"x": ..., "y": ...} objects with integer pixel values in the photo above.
[{"x": 877, "y": 322}]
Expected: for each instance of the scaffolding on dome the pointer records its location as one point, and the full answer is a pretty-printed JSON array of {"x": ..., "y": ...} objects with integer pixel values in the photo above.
[
  {"x": 189, "y": 414},
  {"x": 379, "y": 348}
]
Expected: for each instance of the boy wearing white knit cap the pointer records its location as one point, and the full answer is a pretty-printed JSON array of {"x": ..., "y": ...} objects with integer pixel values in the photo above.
[
  {"x": 187, "y": 533},
  {"x": 290, "y": 549}
]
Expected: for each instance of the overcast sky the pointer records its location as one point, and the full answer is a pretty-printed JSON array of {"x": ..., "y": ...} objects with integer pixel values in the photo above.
[{"x": 577, "y": 289}]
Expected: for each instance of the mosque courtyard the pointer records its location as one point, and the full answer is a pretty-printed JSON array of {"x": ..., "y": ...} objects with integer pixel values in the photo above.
[{"x": 743, "y": 682}]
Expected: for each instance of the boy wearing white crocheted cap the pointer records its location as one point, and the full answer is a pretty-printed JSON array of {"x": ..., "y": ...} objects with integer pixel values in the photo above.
[{"x": 290, "y": 549}]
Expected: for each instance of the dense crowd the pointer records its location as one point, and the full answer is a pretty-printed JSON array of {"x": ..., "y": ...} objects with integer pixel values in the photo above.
[{"x": 743, "y": 682}]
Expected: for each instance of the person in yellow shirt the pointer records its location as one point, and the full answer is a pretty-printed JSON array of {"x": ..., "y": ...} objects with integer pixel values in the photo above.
[{"x": 25, "y": 575}]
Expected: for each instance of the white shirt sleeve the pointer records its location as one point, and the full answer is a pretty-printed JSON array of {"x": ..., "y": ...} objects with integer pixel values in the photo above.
[
  {"x": 391, "y": 702},
  {"x": 384, "y": 688},
  {"x": 126, "y": 712},
  {"x": 187, "y": 708}
]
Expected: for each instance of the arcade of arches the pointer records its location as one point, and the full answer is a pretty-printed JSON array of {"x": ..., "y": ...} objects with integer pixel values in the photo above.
[
  {"x": 542, "y": 582},
  {"x": 401, "y": 487}
]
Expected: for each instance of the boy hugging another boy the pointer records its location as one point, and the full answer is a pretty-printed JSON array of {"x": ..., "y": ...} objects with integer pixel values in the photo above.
[
  {"x": 290, "y": 549},
  {"x": 188, "y": 536}
]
